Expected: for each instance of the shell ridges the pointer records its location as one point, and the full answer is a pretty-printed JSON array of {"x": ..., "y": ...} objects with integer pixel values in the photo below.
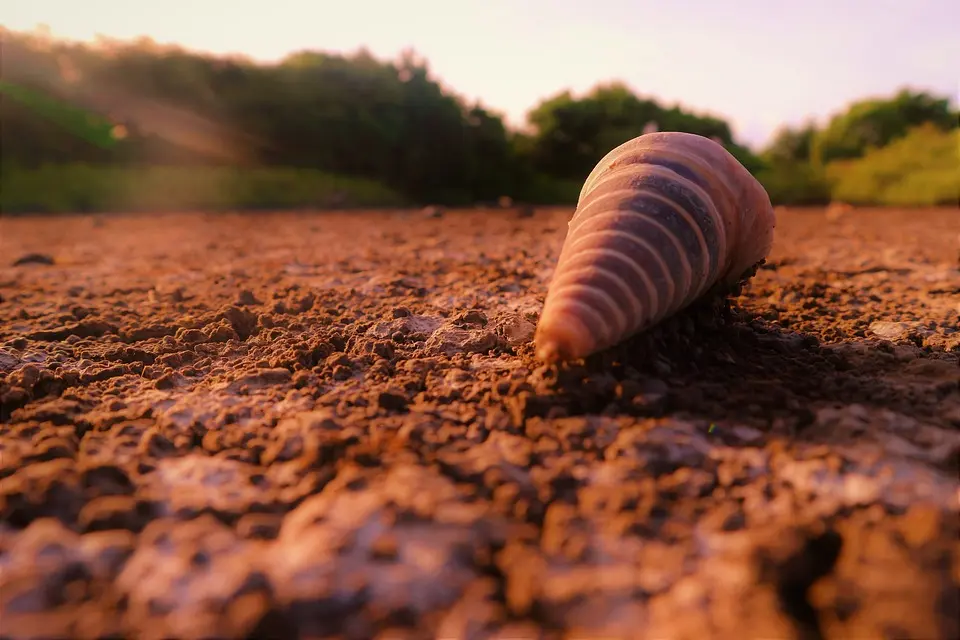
[{"x": 660, "y": 220}]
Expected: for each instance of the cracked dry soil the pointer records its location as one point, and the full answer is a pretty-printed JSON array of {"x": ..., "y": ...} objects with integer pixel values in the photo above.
[{"x": 332, "y": 425}]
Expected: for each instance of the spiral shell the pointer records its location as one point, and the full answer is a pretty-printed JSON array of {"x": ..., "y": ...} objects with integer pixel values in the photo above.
[{"x": 660, "y": 220}]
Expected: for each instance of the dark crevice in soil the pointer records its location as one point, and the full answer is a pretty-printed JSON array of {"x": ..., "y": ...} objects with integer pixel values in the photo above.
[{"x": 796, "y": 574}]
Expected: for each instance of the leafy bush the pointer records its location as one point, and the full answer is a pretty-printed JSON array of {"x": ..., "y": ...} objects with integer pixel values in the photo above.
[
  {"x": 544, "y": 189},
  {"x": 876, "y": 122},
  {"x": 81, "y": 187},
  {"x": 796, "y": 183},
  {"x": 919, "y": 169}
]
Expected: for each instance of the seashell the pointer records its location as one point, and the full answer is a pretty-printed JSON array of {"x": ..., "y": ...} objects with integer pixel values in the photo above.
[{"x": 660, "y": 220}]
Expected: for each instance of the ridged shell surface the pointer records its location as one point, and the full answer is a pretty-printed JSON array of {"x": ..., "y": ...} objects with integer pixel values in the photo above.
[{"x": 660, "y": 220}]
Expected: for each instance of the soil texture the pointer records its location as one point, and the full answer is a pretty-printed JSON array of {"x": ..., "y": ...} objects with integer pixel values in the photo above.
[{"x": 332, "y": 425}]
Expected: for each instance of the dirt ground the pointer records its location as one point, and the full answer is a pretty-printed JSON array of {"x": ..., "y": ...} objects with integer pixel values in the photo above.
[{"x": 332, "y": 425}]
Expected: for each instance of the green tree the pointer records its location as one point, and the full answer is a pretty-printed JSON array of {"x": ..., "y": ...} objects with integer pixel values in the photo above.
[
  {"x": 787, "y": 172},
  {"x": 875, "y": 123},
  {"x": 573, "y": 134},
  {"x": 350, "y": 115},
  {"x": 791, "y": 145}
]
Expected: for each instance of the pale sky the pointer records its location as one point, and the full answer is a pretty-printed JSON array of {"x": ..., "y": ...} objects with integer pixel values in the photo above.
[{"x": 755, "y": 63}]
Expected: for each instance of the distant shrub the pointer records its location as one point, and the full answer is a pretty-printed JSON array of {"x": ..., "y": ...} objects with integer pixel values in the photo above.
[
  {"x": 795, "y": 183},
  {"x": 920, "y": 169},
  {"x": 547, "y": 190},
  {"x": 879, "y": 122},
  {"x": 97, "y": 188}
]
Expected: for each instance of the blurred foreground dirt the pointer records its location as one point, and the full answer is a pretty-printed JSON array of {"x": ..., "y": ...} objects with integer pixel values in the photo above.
[{"x": 331, "y": 425}]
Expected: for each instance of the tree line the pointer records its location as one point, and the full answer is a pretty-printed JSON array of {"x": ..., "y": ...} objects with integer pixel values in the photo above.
[{"x": 369, "y": 126}]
